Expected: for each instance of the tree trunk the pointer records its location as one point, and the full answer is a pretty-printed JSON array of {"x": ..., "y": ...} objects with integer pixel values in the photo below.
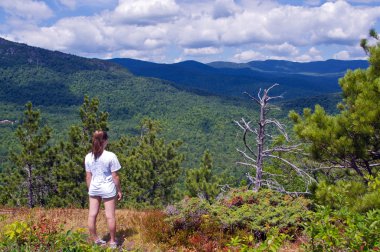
[
  {"x": 30, "y": 187},
  {"x": 260, "y": 145}
]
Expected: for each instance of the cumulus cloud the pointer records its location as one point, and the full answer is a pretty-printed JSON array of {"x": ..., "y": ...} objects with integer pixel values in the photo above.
[
  {"x": 332, "y": 22},
  {"x": 202, "y": 51},
  {"x": 195, "y": 27},
  {"x": 314, "y": 51},
  {"x": 284, "y": 49},
  {"x": 26, "y": 9},
  {"x": 248, "y": 56},
  {"x": 144, "y": 11},
  {"x": 73, "y": 4},
  {"x": 308, "y": 58},
  {"x": 224, "y": 8},
  {"x": 342, "y": 55},
  {"x": 364, "y": 1},
  {"x": 69, "y": 3}
]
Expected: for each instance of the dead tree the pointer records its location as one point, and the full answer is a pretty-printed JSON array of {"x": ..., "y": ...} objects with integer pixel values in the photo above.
[{"x": 254, "y": 158}]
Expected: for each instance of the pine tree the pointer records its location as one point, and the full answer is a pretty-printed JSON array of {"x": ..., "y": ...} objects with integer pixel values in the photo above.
[
  {"x": 71, "y": 187},
  {"x": 351, "y": 138},
  {"x": 200, "y": 181},
  {"x": 151, "y": 169},
  {"x": 34, "y": 161}
]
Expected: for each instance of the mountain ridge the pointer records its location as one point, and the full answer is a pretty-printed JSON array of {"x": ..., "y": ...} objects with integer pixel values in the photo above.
[{"x": 232, "y": 79}]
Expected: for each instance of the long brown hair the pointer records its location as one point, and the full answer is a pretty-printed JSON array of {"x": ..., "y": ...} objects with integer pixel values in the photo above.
[{"x": 98, "y": 139}]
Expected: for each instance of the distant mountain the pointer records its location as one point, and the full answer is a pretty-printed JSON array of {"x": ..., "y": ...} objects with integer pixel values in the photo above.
[
  {"x": 17, "y": 54},
  {"x": 232, "y": 79},
  {"x": 328, "y": 67}
]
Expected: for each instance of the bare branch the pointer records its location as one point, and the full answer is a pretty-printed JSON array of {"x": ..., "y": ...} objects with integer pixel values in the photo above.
[
  {"x": 274, "y": 85},
  {"x": 300, "y": 172},
  {"x": 279, "y": 126},
  {"x": 260, "y": 97},
  {"x": 245, "y": 155},
  {"x": 247, "y": 164},
  {"x": 275, "y": 97},
  {"x": 273, "y": 175},
  {"x": 293, "y": 148},
  {"x": 241, "y": 126},
  {"x": 253, "y": 98},
  {"x": 374, "y": 165}
]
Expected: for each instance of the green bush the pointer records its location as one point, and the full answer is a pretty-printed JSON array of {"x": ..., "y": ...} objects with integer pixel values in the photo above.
[
  {"x": 356, "y": 196},
  {"x": 273, "y": 242},
  {"x": 261, "y": 211},
  {"x": 45, "y": 235},
  {"x": 241, "y": 212},
  {"x": 347, "y": 217},
  {"x": 343, "y": 230}
]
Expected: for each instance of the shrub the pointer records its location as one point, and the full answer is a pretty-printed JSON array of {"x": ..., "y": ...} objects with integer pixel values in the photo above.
[
  {"x": 261, "y": 211},
  {"x": 44, "y": 235},
  {"x": 354, "y": 195},
  {"x": 248, "y": 243},
  {"x": 343, "y": 230},
  {"x": 195, "y": 222},
  {"x": 16, "y": 235}
]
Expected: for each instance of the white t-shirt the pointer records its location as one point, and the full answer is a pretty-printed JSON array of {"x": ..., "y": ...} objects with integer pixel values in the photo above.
[{"x": 101, "y": 169}]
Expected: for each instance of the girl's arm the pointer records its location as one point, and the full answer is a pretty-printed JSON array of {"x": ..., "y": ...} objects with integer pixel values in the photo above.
[
  {"x": 88, "y": 179},
  {"x": 116, "y": 180}
]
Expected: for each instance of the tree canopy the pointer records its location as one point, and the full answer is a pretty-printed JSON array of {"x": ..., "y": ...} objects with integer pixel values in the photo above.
[{"x": 351, "y": 138}]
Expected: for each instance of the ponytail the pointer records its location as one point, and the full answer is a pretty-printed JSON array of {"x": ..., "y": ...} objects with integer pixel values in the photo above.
[{"x": 98, "y": 139}]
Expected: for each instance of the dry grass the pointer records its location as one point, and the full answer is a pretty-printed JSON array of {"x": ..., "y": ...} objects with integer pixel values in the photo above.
[
  {"x": 136, "y": 230},
  {"x": 130, "y": 229}
]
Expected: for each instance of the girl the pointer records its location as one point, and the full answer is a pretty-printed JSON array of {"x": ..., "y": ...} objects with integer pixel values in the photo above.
[{"x": 103, "y": 183}]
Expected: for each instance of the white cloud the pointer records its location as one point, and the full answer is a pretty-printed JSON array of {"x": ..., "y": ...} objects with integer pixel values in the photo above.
[
  {"x": 224, "y": 8},
  {"x": 73, "y": 4},
  {"x": 144, "y": 11},
  {"x": 197, "y": 34},
  {"x": 194, "y": 27},
  {"x": 263, "y": 22},
  {"x": 342, "y": 55},
  {"x": 69, "y": 3},
  {"x": 308, "y": 58},
  {"x": 27, "y": 9},
  {"x": 202, "y": 51},
  {"x": 248, "y": 56},
  {"x": 313, "y": 2},
  {"x": 284, "y": 49},
  {"x": 154, "y": 55},
  {"x": 314, "y": 51},
  {"x": 364, "y": 1}
]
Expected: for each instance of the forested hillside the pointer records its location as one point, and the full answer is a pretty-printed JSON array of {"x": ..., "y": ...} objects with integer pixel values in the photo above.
[{"x": 56, "y": 83}]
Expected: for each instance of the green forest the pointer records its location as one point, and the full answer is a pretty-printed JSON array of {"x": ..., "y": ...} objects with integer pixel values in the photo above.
[{"x": 221, "y": 174}]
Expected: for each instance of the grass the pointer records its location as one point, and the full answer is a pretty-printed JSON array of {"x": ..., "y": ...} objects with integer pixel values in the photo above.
[
  {"x": 130, "y": 227},
  {"x": 134, "y": 228}
]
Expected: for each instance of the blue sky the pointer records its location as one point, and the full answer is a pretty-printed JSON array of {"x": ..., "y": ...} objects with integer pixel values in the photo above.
[{"x": 203, "y": 30}]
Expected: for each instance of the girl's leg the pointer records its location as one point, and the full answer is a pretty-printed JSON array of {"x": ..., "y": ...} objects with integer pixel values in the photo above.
[
  {"x": 110, "y": 205},
  {"x": 92, "y": 214}
]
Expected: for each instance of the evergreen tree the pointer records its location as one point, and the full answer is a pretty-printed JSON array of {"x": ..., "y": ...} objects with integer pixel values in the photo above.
[
  {"x": 34, "y": 162},
  {"x": 349, "y": 139},
  {"x": 70, "y": 174},
  {"x": 151, "y": 169},
  {"x": 200, "y": 181},
  {"x": 92, "y": 119}
]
